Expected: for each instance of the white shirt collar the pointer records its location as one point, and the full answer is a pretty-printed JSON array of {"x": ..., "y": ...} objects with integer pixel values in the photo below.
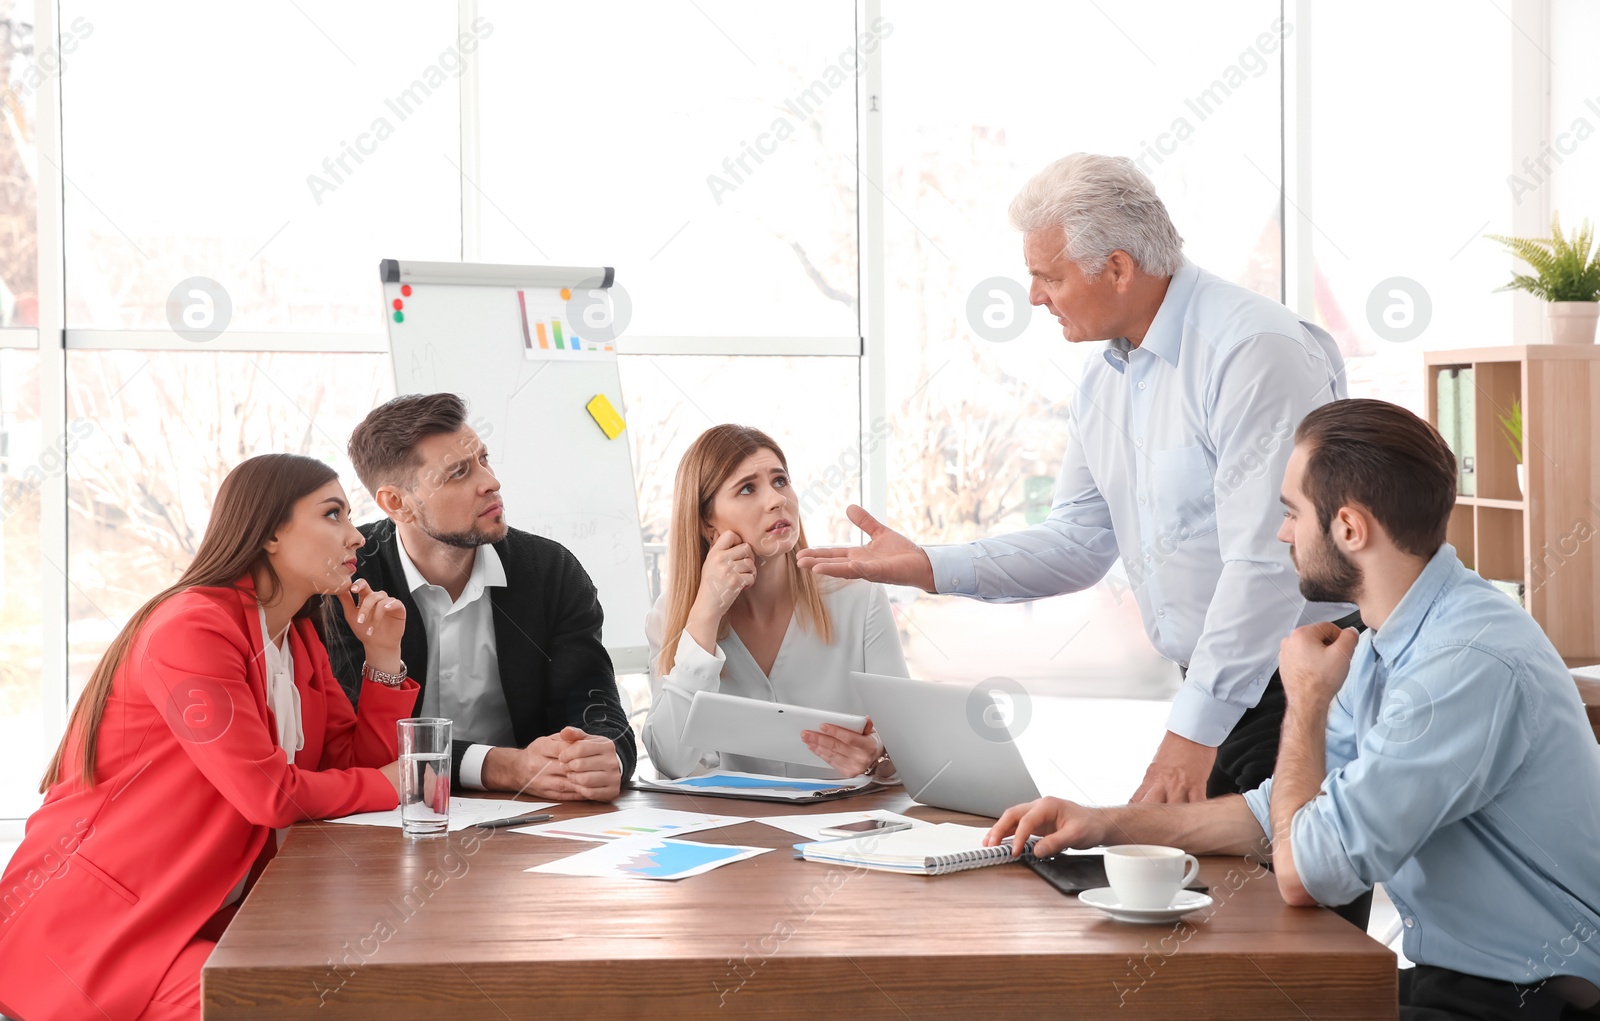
[
  {"x": 487, "y": 572},
  {"x": 283, "y": 698}
]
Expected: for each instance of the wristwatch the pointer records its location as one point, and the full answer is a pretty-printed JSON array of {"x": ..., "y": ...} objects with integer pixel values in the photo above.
[
  {"x": 877, "y": 763},
  {"x": 372, "y": 673}
]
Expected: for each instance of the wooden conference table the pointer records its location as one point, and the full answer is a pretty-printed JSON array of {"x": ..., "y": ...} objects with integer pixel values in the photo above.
[{"x": 324, "y": 935}]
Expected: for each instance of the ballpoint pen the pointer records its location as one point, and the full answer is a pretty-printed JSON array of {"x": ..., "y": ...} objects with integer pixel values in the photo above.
[{"x": 516, "y": 820}]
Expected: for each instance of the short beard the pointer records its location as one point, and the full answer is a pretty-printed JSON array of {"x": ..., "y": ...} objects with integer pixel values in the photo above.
[
  {"x": 470, "y": 539},
  {"x": 1329, "y": 576}
]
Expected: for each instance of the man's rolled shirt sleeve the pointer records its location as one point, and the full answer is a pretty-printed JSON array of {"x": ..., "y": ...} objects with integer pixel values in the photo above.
[
  {"x": 1259, "y": 801},
  {"x": 1449, "y": 736}
]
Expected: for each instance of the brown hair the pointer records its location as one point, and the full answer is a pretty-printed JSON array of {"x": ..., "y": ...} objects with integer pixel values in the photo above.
[
  {"x": 383, "y": 448},
  {"x": 1387, "y": 460},
  {"x": 707, "y": 464},
  {"x": 256, "y": 498}
]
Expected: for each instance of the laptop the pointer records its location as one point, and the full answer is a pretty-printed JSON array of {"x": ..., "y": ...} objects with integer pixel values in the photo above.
[{"x": 933, "y": 732}]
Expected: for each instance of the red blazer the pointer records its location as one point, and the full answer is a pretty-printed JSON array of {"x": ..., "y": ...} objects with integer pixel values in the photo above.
[{"x": 111, "y": 882}]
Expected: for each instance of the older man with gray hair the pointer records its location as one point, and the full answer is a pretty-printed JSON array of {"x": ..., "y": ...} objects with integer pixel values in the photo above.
[{"x": 1179, "y": 438}]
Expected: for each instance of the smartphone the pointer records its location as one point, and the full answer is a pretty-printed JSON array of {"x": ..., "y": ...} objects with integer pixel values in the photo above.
[
  {"x": 1074, "y": 873},
  {"x": 865, "y": 826}
]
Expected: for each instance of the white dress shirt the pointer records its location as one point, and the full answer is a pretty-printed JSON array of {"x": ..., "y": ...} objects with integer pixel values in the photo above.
[
  {"x": 283, "y": 698},
  {"x": 806, "y": 672},
  {"x": 463, "y": 671},
  {"x": 283, "y": 701},
  {"x": 1174, "y": 461}
]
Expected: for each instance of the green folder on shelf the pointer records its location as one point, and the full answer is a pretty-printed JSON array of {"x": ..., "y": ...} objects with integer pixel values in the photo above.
[
  {"x": 1467, "y": 454},
  {"x": 1456, "y": 401}
]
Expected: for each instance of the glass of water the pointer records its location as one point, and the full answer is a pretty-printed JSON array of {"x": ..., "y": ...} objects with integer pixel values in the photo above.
[{"x": 424, "y": 777}]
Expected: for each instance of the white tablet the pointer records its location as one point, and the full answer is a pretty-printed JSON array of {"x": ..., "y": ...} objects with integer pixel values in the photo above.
[{"x": 761, "y": 729}]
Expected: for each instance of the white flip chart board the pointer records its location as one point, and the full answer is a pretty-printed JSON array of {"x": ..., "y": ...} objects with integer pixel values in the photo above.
[{"x": 528, "y": 348}]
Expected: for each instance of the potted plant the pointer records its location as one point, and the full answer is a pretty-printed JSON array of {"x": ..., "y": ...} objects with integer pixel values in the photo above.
[
  {"x": 1511, "y": 429},
  {"x": 1566, "y": 274}
]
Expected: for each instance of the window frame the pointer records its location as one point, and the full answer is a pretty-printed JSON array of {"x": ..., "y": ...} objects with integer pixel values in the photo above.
[{"x": 47, "y": 338}]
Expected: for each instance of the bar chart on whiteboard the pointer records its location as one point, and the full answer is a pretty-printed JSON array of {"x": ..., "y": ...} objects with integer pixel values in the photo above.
[{"x": 554, "y": 326}]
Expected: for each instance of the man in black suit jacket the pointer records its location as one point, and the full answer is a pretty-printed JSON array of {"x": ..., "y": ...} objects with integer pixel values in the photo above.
[{"x": 507, "y": 640}]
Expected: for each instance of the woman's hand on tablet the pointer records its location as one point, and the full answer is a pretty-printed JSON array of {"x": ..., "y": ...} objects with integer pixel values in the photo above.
[{"x": 845, "y": 750}]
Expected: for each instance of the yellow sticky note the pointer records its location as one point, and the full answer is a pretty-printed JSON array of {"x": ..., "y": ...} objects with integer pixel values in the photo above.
[{"x": 606, "y": 417}]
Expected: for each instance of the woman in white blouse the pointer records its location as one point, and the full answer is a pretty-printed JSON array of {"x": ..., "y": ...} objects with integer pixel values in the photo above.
[{"x": 740, "y": 617}]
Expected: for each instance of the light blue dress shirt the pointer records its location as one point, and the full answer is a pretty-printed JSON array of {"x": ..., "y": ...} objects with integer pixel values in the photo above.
[
  {"x": 1175, "y": 456},
  {"x": 1464, "y": 776}
]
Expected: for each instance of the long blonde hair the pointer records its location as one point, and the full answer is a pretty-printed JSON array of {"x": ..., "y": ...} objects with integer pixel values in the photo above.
[{"x": 707, "y": 464}]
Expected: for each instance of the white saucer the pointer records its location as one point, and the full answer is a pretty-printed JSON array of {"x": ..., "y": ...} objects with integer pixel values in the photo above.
[{"x": 1185, "y": 902}]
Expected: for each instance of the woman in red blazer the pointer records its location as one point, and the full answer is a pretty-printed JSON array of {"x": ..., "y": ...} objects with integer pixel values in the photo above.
[{"x": 176, "y": 769}]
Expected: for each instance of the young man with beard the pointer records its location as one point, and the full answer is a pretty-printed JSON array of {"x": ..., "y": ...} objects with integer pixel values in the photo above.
[
  {"x": 502, "y": 626},
  {"x": 1445, "y": 753}
]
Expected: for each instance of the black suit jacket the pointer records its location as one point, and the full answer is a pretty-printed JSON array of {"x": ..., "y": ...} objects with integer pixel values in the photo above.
[{"x": 547, "y": 618}]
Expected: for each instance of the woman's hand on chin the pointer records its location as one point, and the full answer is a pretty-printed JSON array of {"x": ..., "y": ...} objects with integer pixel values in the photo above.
[
  {"x": 730, "y": 568},
  {"x": 376, "y": 619}
]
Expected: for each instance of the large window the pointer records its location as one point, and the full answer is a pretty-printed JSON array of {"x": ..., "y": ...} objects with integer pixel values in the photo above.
[
  {"x": 23, "y": 70},
  {"x": 1408, "y": 174},
  {"x": 724, "y": 193},
  {"x": 1568, "y": 167},
  {"x": 29, "y": 459},
  {"x": 707, "y": 151},
  {"x": 278, "y": 153},
  {"x": 27, "y": 463}
]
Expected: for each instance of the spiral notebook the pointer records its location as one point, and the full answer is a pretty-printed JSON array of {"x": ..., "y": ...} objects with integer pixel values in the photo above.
[{"x": 923, "y": 851}]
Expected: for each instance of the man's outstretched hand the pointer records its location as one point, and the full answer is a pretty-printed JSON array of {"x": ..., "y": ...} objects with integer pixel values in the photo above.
[{"x": 888, "y": 558}]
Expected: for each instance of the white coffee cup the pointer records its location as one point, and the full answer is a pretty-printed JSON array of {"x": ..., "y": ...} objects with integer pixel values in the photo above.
[{"x": 1149, "y": 875}]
